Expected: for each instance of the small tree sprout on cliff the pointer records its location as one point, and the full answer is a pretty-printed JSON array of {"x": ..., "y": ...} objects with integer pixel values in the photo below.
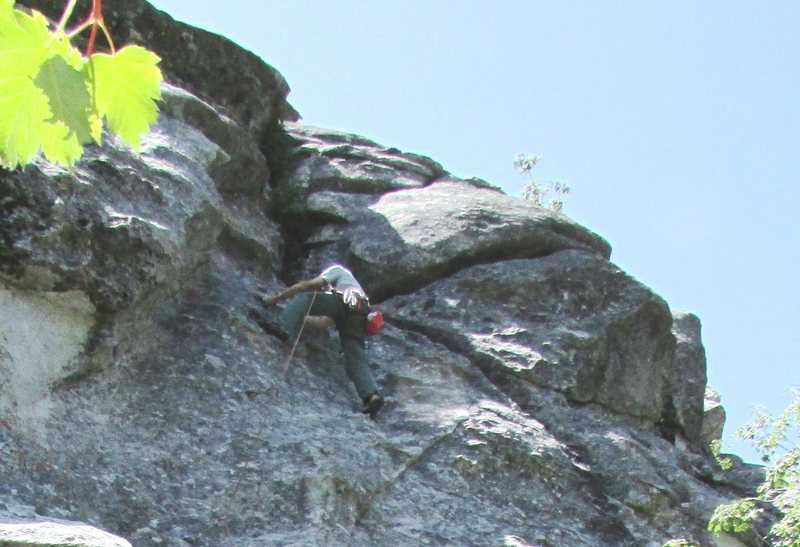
[{"x": 537, "y": 192}]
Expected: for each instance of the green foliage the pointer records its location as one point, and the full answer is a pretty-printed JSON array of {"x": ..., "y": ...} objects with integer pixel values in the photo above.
[
  {"x": 734, "y": 517},
  {"x": 53, "y": 99},
  {"x": 776, "y": 440},
  {"x": 716, "y": 447},
  {"x": 126, "y": 88},
  {"x": 23, "y": 107},
  {"x": 68, "y": 128},
  {"x": 536, "y": 192}
]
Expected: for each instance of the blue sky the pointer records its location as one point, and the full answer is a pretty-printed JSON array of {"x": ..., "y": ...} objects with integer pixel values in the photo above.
[{"x": 676, "y": 124}]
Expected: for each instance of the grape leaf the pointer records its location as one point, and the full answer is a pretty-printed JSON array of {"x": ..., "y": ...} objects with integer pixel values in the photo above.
[
  {"x": 54, "y": 99},
  {"x": 6, "y": 11},
  {"x": 126, "y": 86},
  {"x": 70, "y": 105},
  {"x": 60, "y": 45},
  {"x": 60, "y": 144},
  {"x": 23, "y": 111},
  {"x": 24, "y": 41},
  {"x": 23, "y": 106},
  {"x": 61, "y": 80}
]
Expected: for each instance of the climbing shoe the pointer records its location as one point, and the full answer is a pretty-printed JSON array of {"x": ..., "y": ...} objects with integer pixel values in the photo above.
[
  {"x": 270, "y": 327},
  {"x": 372, "y": 405}
]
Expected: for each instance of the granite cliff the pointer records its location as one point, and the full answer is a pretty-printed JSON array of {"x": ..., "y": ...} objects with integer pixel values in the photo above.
[{"x": 537, "y": 394}]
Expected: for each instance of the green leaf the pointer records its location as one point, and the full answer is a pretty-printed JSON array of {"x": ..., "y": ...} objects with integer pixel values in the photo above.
[
  {"x": 70, "y": 106},
  {"x": 734, "y": 516},
  {"x": 716, "y": 447},
  {"x": 52, "y": 99},
  {"x": 24, "y": 41},
  {"x": 23, "y": 111},
  {"x": 60, "y": 145},
  {"x": 126, "y": 86}
]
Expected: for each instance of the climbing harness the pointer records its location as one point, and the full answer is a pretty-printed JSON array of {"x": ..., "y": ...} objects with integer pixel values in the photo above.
[
  {"x": 356, "y": 302},
  {"x": 354, "y": 299}
]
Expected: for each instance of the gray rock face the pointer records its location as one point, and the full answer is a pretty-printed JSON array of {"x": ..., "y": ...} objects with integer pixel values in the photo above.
[
  {"x": 394, "y": 216},
  {"x": 713, "y": 417},
  {"x": 336, "y": 161},
  {"x": 569, "y": 322},
  {"x": 82, "y": 229},
  {"x": 690, "y": 379},
  {"x": 536, "y": 394}
]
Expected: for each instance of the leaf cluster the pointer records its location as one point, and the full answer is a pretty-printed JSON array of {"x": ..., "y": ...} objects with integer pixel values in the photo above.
[
  {"x": 777, "y": 441},
  {"x": 716, "y": 452},
  {"x": 55, "y": 100},
  {"x": 536, "y": 192}
]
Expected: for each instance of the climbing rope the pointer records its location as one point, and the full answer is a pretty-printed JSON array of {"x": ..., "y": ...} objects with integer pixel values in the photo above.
[
  {"x": 248, "y": 453},
  {"x": 299, "y": 333}
]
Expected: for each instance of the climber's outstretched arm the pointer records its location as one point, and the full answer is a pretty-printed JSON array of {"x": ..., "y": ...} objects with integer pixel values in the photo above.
[{"x": 303, "y": 286}]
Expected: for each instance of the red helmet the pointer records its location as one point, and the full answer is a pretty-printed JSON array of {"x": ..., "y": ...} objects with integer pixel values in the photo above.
[{"x": 374, "y": 322}]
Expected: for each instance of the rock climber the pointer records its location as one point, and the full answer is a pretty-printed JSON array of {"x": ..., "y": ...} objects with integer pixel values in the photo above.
[{"x": 334, "y": 297}]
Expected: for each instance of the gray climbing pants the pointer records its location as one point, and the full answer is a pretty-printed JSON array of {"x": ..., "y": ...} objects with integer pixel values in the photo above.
[{"x": 351, "y": 333}]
